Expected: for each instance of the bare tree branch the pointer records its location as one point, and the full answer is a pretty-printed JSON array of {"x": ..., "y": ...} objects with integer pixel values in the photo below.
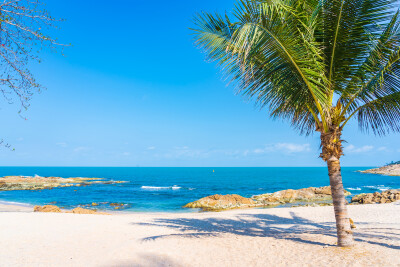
[{"x": 22, "y": 27}]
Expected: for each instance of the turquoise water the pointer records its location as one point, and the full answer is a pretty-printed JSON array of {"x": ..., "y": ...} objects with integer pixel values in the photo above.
[{"x": 168, "y": 189}]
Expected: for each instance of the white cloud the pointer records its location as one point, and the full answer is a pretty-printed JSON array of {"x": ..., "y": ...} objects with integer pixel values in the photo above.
[
  {"x": 62, "y": 144},
  {"x": 126, "y": 154},
  {"x": 181, "y": 147},
  {"x": 288, "y": 148},
  {"x": 20, "y": 139},
  {"x": 230, "y": 153},
  {"x": 354, "y": 149},
  {"x": 293, "y": 148},
  {"x": 151, "y": 148},
  {"x": 384, "y": 149},
  {"x": 185, "y": 152},
  {"x": 81, "y": 149},
  {"x": 258, "y": 151}
]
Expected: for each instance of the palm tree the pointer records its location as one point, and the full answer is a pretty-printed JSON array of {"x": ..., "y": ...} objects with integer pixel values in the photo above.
[{"x": 317, "y": 63}]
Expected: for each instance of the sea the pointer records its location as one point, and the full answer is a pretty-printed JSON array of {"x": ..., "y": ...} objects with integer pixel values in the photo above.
[{"x": 168, "y": 189}]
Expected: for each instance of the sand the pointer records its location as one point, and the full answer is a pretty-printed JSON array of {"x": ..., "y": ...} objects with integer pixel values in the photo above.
[{"x": 302, "y": 236}]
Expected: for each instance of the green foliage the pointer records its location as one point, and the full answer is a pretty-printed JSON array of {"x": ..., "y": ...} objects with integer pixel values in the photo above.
[{"x": 296, "y": 56}]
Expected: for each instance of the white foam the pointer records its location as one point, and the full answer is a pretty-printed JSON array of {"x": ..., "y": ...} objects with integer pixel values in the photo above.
[
  {"x": 378, "y": 187},
  {"x": 354, "y": 189},
  {"x": 383, "y": 188},
  {"x": 15, "y": 203},
  {"x": 148, "y": 187}
]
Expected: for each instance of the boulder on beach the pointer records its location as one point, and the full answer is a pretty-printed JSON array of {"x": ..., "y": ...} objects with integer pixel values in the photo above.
[
  {"x": 46, "y": 208},
  {"x": 80, "y": 210},
  {"x": 224, "y": 202},
  {"x": 310, "y": 194},
  {"x": 387, "y": 196},
  {"x": 221, "y": 202}
]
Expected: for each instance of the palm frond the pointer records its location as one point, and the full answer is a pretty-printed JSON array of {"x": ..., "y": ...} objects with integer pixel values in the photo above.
[
  {"x": 376, "y": 77},
  {"x": 292, "y": 56},
  {"x": 347, "y": 29},
  {"x": 381, "y": 115},
  {"x": 213, "y": 34},
  {"x": 272, "y": 57}
]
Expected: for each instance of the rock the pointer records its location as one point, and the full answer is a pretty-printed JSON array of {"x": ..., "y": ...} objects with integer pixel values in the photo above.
[
  {"x": 392, "y": 170},
  {"x": 46, "y": 208},
  {"x": 95, "y": 204},
  {"x": 221, "y": 202},
  {"x": 310, "y": 194},
  {"x": 9, "y": 183},
  {"x": 116, "y": 204},
  {"x": 120, "y": 206},
  {"x": 352, "y": 225},
  {"x": 388, "y": 196},
  {"x": 80, "y": 210},
  {"x": 52, "y": 208}
]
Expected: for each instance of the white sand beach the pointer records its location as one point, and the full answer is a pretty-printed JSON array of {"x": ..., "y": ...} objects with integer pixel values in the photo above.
[{"x": 303, "y": 236}]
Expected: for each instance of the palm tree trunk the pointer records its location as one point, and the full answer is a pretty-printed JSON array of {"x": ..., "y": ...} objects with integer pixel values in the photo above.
[{"x": 344, "y": 233}]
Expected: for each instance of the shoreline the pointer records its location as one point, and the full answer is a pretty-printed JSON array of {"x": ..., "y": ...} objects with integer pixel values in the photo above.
[
  {"x": 18, "y": 207},
  {"x": 10, "y": 206}
]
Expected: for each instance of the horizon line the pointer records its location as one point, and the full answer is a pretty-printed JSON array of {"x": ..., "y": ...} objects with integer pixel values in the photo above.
[{"x": 33, "y": 166}]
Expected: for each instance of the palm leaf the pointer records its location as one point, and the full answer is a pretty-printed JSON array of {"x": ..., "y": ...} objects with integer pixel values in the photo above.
[
  {"x": 381, "y": 57},
  {"x": 293, "y": 56},
  {"x": 272, "y": 57},
  {"x": 346, "y": 31},
  {"x": 381, "y": 115}
]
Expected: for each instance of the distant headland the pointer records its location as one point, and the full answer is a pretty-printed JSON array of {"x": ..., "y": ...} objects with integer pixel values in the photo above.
[{"x": 392, "y": 169}]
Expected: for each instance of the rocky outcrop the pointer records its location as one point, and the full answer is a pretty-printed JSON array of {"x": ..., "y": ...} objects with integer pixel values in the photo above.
[
  {"x": 388, "y": 196},
  {"x": 78, "y": 210},
  {"x": 223, "y": 202},
  {"x": 391, "y": 170},
  {"x": 311, "y": 194},
  {"x": 83, "y": 211},
  {"x": 107, "y": 205},
  {"x": 46, "y": 208},
  {"x": 10, "y": 183}
]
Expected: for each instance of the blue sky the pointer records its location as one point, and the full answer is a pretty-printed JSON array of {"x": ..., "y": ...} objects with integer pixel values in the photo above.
[{"x": 134, "y": 91}]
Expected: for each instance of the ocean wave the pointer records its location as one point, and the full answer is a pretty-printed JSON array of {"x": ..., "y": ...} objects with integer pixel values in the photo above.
[
  {"x": 15, "y": 203},
  {"x": 354, "y": 189},
  {"x": 148, "y": 187},
  {"x": 384, "y": 188},
  {"x": 377, "y": 187}
]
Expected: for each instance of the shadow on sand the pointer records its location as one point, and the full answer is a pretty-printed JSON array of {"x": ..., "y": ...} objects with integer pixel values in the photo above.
[
  {"x": 149, "y": 260},
  {"x": 267, "y": 225}
]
